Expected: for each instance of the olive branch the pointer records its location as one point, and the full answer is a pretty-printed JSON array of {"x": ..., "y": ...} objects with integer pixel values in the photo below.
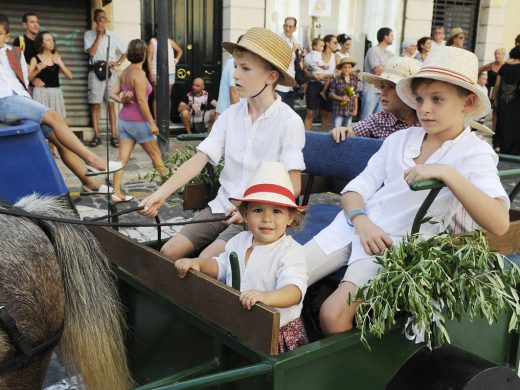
[{"x": 435, "y": 280}]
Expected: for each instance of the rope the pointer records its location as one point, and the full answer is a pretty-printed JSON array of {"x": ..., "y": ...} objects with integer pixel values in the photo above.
[{"x": 18, "y": 212}]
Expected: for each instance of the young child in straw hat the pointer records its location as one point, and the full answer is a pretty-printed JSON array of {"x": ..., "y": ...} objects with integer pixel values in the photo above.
[
  {"x": 343, "y": 94},
  {"x": 272, "y": 264},
  {"x": 379, "y": 207},
  {"x": 261, "y": 128}
]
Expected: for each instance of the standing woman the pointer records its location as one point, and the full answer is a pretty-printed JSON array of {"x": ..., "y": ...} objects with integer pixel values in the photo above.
[
  {"x": 457, "y": 37},
  {"x": 493, "y": 67},
  {"x": 174, "y": 55},
  {"x": 329, "y": 58},
  {"x": 345, "y": 42},
  {"x": 136, "y": 123},
  {"x": 424, "y": 45},
  {"x": 506, "y": 94}
]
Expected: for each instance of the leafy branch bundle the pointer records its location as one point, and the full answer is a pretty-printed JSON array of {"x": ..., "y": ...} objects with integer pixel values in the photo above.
[
  {"x": 436, "y": 280},
  {"x": 172, "y": 162}
]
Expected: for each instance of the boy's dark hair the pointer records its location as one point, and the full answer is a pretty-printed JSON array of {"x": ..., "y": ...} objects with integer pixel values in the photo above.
[
  {"x": 136, "y": 51},
  {"x": 421, "y": 42},
  {"x": 514, "y": 54},
  {"x": 38, "y": 41},
  {"x": 418, "y": 81},
  {"x": 342, "y": 38},
  {"x": 26, "y": 16},
  {"x": 382, "y": 33},
  {"x": 315, "y": 41},
  {"x": 517, "y": 40},
  {"x": 4, "y": 21},
  {"x": 297, "y": 215},
  {"x": 98, "y": 11}
]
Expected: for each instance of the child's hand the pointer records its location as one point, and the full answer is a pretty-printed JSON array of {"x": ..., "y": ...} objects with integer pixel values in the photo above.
[
  {"x": 249, "y": 298},
  {"x": 372, "y": 237},
  {"x": 426, "y": 171},
  {"x": 184, "y": 265},
  {"x": 151, "y": 205},
  {"x": 340, "y": 133},
  {"x": 236, "y": 218}
]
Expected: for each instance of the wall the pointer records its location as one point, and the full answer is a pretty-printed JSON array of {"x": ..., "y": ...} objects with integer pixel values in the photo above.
[{"x": 511, "y": 24}]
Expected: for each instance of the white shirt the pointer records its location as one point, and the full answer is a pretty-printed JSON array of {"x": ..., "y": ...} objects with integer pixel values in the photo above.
[
  {"x": 314, "y": 62},
  {"x": 390, "y": 203},
  {"x": 269, "y": 267},
  {"x": 277, "y": 135},
  {"x": 117, "y": 46},
  {"x": 291, "y": 42},
  {"x": 171, "y": 56},
  {"x": 9, "y": 83}
]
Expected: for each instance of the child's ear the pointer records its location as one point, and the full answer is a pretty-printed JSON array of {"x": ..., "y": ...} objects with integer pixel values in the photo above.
[
  {"x": 291, "y": 218},
  {"x": 274, "y": 75},
  {"x": 469, "y": 102}
]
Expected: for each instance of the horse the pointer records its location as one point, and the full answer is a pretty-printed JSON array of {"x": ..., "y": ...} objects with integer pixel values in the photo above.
[{"x": 56, "y": 281}]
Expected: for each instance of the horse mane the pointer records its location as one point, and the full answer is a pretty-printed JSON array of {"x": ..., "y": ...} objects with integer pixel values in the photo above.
[{"x": 65, "y": 277}]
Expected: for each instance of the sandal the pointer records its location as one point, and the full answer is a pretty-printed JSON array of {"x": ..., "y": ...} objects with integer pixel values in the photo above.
[
  {"x": 114, "y": 141},
  {"x": 124, "y": 198},
  {"x": 95, "y": 142}
]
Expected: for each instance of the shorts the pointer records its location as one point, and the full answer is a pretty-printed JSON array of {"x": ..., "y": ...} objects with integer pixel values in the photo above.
[
  {"x": 15, "y": 108},
  {"x": 139, "y": 132},
  {"x": 312, "y": 95},
  {"x": 362, "y": 271},
  {"x": 96, "y": 88},
  {"x": 203, "y": 234}
]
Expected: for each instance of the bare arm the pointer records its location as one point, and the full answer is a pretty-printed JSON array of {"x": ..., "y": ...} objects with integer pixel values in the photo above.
[
  {"x": 484, "y": 68},
  {"x": 139, "y": 83},
  {"x": 183, "y": 175},
  {"x": 177, "y": 49},
  {"x": 149, "y": 56},
  {"x": 206, "y": 266},
  {"x": 58, "y": 61},
  {"x": 115, "y": 91},
  {"x": 283, "y": 297},
  {"x": 92, "y": 50},
  {"x": 34, "y": 68},
  {"x": 296, "y": 180},
  {"x": 373, "y": 239},
  {"x": 489, "y": 213}
]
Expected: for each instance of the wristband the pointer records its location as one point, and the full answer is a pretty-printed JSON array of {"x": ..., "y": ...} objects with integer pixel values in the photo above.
[{"x": 353, "y": 213}]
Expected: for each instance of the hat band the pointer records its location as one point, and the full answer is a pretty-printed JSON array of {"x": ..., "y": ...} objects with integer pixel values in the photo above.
[
  {"x": 445, "y": 72},
  {"x": 274, "y": 188}
]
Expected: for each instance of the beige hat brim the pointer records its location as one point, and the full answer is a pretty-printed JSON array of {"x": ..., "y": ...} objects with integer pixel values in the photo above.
[
  {"x": 480, "y": 127},
  {"x": 481, "y": 109},
  {"x": 340, "y": 65},
  {"x": 284, "y": 79},
  {"x": 375, "y": 80}
]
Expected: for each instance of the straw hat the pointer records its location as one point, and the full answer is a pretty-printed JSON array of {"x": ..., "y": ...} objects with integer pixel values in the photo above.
[
  {"x": 481, "y": 127},
  {"x": 456, "y": 31},
  {"x": 268, "y": 46},
  {"x": 396, "y": 69},
  {"x": 344, "y": 61},
  {"x": 269, "y": 183},
  {"x": 454, "y": 66}
]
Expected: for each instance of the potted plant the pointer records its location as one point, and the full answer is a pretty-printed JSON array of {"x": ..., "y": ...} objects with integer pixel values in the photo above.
[
  {"x": 201, "y": 189},
  {"x": 424, "y": 283}
]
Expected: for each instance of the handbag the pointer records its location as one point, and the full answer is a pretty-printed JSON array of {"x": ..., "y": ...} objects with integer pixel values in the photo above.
[
  {"x": 299, "y": 74},
  {"x": 100, "y": 69}
]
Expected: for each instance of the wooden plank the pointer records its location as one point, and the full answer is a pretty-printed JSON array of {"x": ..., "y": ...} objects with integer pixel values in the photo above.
[{"x": 212, "y": 300}]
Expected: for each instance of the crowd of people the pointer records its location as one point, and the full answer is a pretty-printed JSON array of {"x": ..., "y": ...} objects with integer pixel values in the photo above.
[{"x": 420, "y": 103}]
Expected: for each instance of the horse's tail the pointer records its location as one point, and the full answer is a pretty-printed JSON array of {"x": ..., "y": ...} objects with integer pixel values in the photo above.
[{"x": 93, "y": 337}]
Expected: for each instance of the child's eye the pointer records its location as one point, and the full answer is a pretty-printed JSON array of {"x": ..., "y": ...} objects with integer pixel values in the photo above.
[
  {"x": 257, "y": 210},
  {"x": 438, "y": 99},
  {"x": 418, "y": 99},
  {"x": 277, "y": 211}
]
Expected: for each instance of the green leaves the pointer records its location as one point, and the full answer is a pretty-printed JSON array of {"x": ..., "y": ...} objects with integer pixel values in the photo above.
[
  {"x": 459, "y": 272},
  {"x": 172, "y": 162}
]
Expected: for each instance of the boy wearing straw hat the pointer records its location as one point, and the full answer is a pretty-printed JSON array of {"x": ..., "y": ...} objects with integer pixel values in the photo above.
[
  {"x": 396, "y": 115},
  {"x": 259, "y": 128},
  {"x": 379, "y": 207},
  {"x": 272, "y": 264}
]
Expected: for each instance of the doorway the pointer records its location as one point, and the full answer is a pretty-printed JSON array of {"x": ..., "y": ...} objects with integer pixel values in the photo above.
[{"x": 196, "y": 26}]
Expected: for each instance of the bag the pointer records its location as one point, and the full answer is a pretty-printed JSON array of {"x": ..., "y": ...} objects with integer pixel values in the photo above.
[
  {"x": 299, "y": 74},
  {"x": 100, "y": 69}
]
